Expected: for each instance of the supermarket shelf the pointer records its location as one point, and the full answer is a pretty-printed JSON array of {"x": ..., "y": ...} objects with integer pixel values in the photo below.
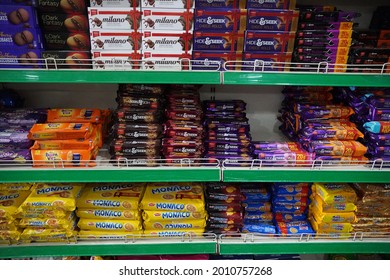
[
  {"x": 157, "y": 246},
  {"x": 266, "y": 245},
  {"x": 109, "y": 77},
  {"x": 305, "y": 79}
]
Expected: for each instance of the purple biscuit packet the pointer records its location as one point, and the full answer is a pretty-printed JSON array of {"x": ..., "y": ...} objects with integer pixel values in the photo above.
[
  {"x": 216, "y": 41},
  {"x": 20, "y": 38},
  {"x": 378, "y": 114},
  {"x": 270, "y": 4},
  {"x": 16, "y": 146},
  {"x": 13, "y": 135},
  {"x": 379, "y": 151},
  {"x": 20, "y": 119},
  {"x": 219, "y": 20},
  {"x": 325, "y": 16},
  {"x": 378, "y": 139},
  {"x": 211, "y": 63},
  {"x": 227, "y": 146},
  {"x": 370, "y": 52},
  {"x": 229, "y": 128},
  {"x": 342, "y": 25},
  {"x": 333, "y": 160},
  {"x": 289, "y": 158},
  {"x": 320, "y": 58},
  {"x": 20, "y": 58},
  {"x": 273, "y": 146},
  {"x": 323, "y": 42},
  {"x": 268, "y": 42},
  {"x": 238, "y": 121},
  {"x": 271, "y": 20},
  {"x": 379, "y": 101},
  {"x": 225, "y": 4},
  {"x": 20, "y": 156},
  {"x": 307, "y": 50},
  {"x": 224, "y": 105},
  {"x": 224, "y": 114},
  {"x": 329, "y": 34},
  {"x": 22, "y": 16}
]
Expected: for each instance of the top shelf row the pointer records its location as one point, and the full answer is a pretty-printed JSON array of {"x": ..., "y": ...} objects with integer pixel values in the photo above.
[{"x": 195, "y": 77}]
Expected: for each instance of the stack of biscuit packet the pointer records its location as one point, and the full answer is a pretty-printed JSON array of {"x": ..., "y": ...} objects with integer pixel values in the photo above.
[
  {"x": 109, "y": 210},
  {"x": 173, "y": 209},
  {"x": 332, "y": 208},
  {"x": 373, "y": 208},
  {"x": 48, "y": 212},
  {"x": 11, "y": 197}
]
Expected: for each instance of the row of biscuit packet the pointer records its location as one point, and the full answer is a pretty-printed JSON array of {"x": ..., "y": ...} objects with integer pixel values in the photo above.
[
  {"x": 224, "y": 208},
  {"x": 173, "y": 209},
  {"x": 227, "y": 131},
  {"x": 110, "y": 210},
  {"x": 22, "y": 43},
  {"x": 321, "y": 124},
  {"x": 47, "y": 214},
  {"x": 372, "y": 213},
  {"x": 70, "y": 138},
  {"x": 158, "y": 33},
  {"x": 258, "y": 33},
  {"x": 183, "y": 130},
  {"x": 137, "y": 131},
  {"x": 333, "y": 208},
  {"x": 15, "y": 124},
  {"x": 324, "y": 36},
  {"x": 11, "y": 197},
  {"x": 65, "y": 33}
]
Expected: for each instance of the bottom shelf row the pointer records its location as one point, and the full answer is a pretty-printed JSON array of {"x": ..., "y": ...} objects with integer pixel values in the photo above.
[{"x": 193, "y": 218}]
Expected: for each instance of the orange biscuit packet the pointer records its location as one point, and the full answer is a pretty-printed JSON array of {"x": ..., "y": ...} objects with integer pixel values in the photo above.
[
  {"x": 60, "y": 131},
  {"x": 74, "y": 116},
  {"x": 67, "y": 158},
  {"x": 72, "y": 144}
]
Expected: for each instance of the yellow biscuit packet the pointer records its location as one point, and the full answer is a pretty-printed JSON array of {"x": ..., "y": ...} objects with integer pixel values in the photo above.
[
  {"x": 174, "y": 225},
  {"x": 180, "y": 197},
  {"x": 10, "y": 201},
  {"x": 333, "y": 207},
  {"x": 324, "y": 228},
  {"x": 160, "y": 216},
  {"x": 5, "y": 225},
  {"x": 174, "y": 233},
  {"x": 40, "y": 213},
  {"x": 335, "y": 193},
  {"x": 326, "y": 217},
  {"x": 9, "y": 235},
  {"x": 64, "y": 223},
  {"x": 111, "y": 225},
  {"x": 47, "y": 235},
  {"x": 113, "y": 196},
  {"x": 53, "y": 196},
  {"x": 96, "y": 234},
  {"x": 108, "y": 214},
  {"x": 15, "y": 187}
]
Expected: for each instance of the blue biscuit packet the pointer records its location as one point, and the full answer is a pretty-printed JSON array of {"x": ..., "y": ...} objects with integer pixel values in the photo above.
[
  {"x": 288, "y": 217},
  {"x": 290, "y": 188},
  {"x": 259, "y": 206},
  {"x": 289, "y": 208},
  {"x": 298, "y": 227},
  {"x": 289, "y": 199},
  {"x": 265, "y": 228},
  {"x": 261, "y": 216},
  {"x": 256, "y": 197}
]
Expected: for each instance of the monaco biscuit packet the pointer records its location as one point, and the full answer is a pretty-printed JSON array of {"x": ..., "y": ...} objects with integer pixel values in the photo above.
[
  {"x": 163, "y": 216},
  {"x": 326, "y": 217},
  {"x": 74, "y": 116},
  {"x": 60, "y": 131},
  {"x": 40, "y": 213},
  {"x": 179, "y": 197},
  {"x": 108, "y": 214},
  {"x": 53, "y": 197},
  {"x": 9, "y": 236},
  {"x": 332, "y": 207},
  {"x": 10, "y": 202},
  {"x": 106, "y": 235},
  {"x": 115, "y": 196},
  {"x": 335, "y": 193},
  {"x": 5, "y": 225},
  {"x": 174, "y": 225},
  {"x": 174, "y": 233},
  {"x": 63, "y": 223},
  {"x": 15, "y": 187},
  {"x": 47, "y": 235},
  {"x": 331, "y": 227},
  {"x": 111, "y": 225}
]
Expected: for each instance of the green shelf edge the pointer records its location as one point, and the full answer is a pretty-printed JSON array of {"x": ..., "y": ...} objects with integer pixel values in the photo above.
[
  {"x": 305, "y": 248},
  {"x": 325, "y": 176},
  {"x": 109, "y": 77},
  {"x": 20, "y": 251},
  {"x": 305, "y": 79},
  {"x": 96, "y": 175}
]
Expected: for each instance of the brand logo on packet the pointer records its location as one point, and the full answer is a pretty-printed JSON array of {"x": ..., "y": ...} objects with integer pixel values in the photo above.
[
  {"x": 169, "y": 206},
  {"x": 106, "y": 203},
  {"x": 111, "y": 188},
  {"x": 7, "y": 197},
  {"x": 171, "y": 189},
  {"x": 104, "y": 225},
  {"x": 54, "y": 189},
  {"x": 113, "y": 19},
  {"x": 175, "y": 215},
  {"x": 107, "y": 213}
]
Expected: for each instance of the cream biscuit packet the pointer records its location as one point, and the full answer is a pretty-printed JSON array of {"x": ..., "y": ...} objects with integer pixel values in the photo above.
[
  {"x": 110, "y": 225},
  {"x": 53, "y": 196},
  {"x": 180, "y": 197},
  {"x": 121, "y": 196}
]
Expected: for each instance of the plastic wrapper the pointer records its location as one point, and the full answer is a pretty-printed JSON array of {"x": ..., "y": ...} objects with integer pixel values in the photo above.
[
  {"x": 333, "y": 133},
  {"x": 41, "y": 213},
  {"x": 17, "y": 156},
  {"x": 223, "y": 207},
  {"x": 76, "y": 144},
  {"x": 108, "y": 214},
  {"x": 331, "y": 227},
  {"x": 227, "y": 146},
  {"x": 257, "y": 217},
  {"x": 111, "y": 225},
  {"x": 295, "y": 200},
  {"x": 138, "y": 115},
  {"x": 289, "y": 158},
  {"x": 125, "y": 89},
  {"x": 53, "y": 197},
  {"x": 289, "y": 208},
  {"x": 179, "y": 197},
  {"x": 326, "y": 217},
  {"x": 119, "y": 196},
  {"x": 223, "y": 197},
  {"x": 15, "y": 186},
  {"x": 64, "y": 158},
  {"x": 9, "y": 236},
  {"x": 228, "y": 189},
  {"x": 17, "y": 137},
  {"x": 228, "y": 105},
  {"x": 107, "y": 235},
  {"x": 379, "y": 114},
  {"x": 378, "y": 139},
  {"x": 276, "y": 146},
  {"x": 137, "y": 131},
  {"x": 139, "y": 101},
  {"x": 335, "y": 193}
]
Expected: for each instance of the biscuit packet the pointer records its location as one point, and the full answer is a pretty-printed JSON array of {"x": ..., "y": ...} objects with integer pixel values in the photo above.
[
  {"x": 174, "y": 225},
  {"x": 47, "y": 235},
  {"x": 7, "y": 225},
  {"x": 111, "y": 225},
  {"x": 325, "y": 217},
  {"x": 331, "y": 227},
  {"x": 180, "y": 197},
  {"x": 333, "y": 207},
  {"x": 373, "y": 192},
  {"x": 72, "y": 144},
  {"x": 10, "y": 201},
  {"x": 335, "y": 193},
  {"x": 65, "y": 158},
  {"x": 174, "y": 233},
  {"x": 64, "y": 223},
  {"x": 60, "y": 131},
  {"x": 296, "y": 227},
  {"x": 120, "y": 196},
  {"x": 53, "y": 197},
  {"x": 40, "y": 213},
  {"x": 162, "y": 216},
  {"x": 107, "y": 235},
  {"x": 74, "y": 116},
  {"x": 15, "y": 186},
  {"x": 9, "y": 236},
  {"x": 108, "y": 214}
]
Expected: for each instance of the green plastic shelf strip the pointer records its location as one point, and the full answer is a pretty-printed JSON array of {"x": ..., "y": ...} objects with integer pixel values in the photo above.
[
  {"x": 326, "y": 176},
  {"x": 108, "y": 175}
]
